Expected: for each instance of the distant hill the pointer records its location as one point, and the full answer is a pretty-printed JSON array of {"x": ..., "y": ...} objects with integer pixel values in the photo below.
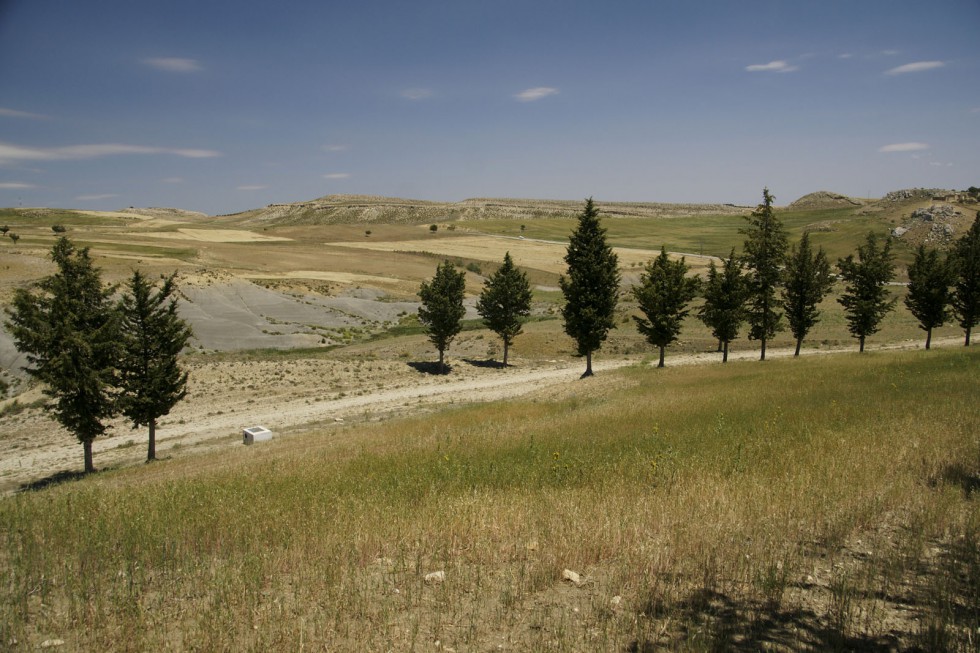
[
  {"x": 358, "y": 209},
  {"x": 824, "y": 200}
]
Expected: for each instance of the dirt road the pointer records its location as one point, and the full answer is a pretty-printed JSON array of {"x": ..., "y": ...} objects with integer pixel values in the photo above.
[{"x": 293, "y": 397}]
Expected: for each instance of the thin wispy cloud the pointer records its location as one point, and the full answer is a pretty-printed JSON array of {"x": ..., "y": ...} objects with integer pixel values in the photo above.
[
  {"x": 416, "y": 93},
  {"x": 536, "y": 93},
  {"x": 15, "y": 185},
  {"x": 845, "y": 55},
  {"x": 337, "y": 175},
  {"x": 904, "y": 147},
  {"x": 251, "y": 187},
  {"x": 772, "y": 67},
  {"x": 95, "y": 198},
  {"x": 173, "y": 180},
  {"x": 915, "y": 67},
  {"x": 891, "y": 53},
  {"x": 174, "y": 64},
  {"x": 335, "y": 147},
  {"x": 14, "y": 113},
  {"x": 12, "y": 153}
]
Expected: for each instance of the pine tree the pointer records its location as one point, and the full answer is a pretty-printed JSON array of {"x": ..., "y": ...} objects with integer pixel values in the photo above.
[
  {"x": 592, "y": 286},
  {"x": 725, "y": 294},
  {"x": 663, "y": 295},
  {"x": 765, "y": 251},
  {"x": 866, "y": 299},
  {"x": 152, "y": 336},
  {"x": 966, "y": 294},
  {"x": 505, "y": 301},
  {"x": 68, "y": 329},
  {"x": 929, "y": 292},
  {"x": 442, "y": 311},
  {"x": 807, "y": 282}
]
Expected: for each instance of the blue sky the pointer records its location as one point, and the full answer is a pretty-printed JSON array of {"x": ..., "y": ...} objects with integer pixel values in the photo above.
[{"x": 221, "y": 106}]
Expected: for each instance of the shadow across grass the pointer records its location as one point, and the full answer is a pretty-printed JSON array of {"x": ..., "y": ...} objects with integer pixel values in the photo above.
[
  {"x": 431, "y": 367},
  {"x": 51, "y": 481},
  {"x": 714, "y": 621},
  {"x": 487, "y": 363}
]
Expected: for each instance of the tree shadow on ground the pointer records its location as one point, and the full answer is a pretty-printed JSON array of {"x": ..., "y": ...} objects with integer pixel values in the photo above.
[
  {"x": 51, "y": 481},
  {"x": 431, "y": 367},
  {"x": 488, "y": 363},
  {"x": 958, "y": 475},
  {"x": 728, "y": 625}
]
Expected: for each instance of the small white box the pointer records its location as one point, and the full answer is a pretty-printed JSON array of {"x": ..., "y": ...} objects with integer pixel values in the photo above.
[{"x": 255, "y": 434}]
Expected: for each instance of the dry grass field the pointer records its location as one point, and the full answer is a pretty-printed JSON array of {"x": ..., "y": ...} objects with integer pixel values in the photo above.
[{"x": 822, "y": 503}]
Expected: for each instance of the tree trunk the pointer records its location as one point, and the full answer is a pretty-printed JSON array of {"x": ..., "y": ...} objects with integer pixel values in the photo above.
[
  {"x": 967, "y": 343},
  {"x": 506, "y": 347},
  {"x": 661, "y": 357},
  {"x": 588, "y": 365},
  {"x": 799, "y": 342},
  {"x": 763, "y": 356},
  {"x": 861, "y": 340},
  {"x": 151, "y": 450},
  {"x": 724, "y": 356},
  {"x": 720, "y": 342},
  {"x": 442, "y": 361},
  {"x": 928, "y": 338},
  {"x": 87, "y": 446}
]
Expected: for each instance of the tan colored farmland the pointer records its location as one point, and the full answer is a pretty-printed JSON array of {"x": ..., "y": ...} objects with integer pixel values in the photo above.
[{"x": 215, "y": 236}]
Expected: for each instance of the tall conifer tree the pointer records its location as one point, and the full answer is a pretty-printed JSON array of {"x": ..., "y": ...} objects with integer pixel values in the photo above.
[
  {"x": 152, "y": 336},
  {"x": 68, "y": 329},
  {"x": 442, "y": 310},
  {"x": 929, "y": 292},
  {"x": 663, "y": 295},
  {"x": 591, "y": 287},
  {"x": 866, "y": 299},
  {"x": 807, "y": 282},
  {"x": 505, "y": 302},
  {"x": 725, "y": 294},
  {"x": 765, "y": 252},
  {"x": 966, "y": 294}
]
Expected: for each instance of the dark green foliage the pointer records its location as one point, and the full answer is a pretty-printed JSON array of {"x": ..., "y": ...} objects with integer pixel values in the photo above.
[
  {"x": 505, "y": 301},
  {"x": 663, "y": 295},
  {"x": 152, "y": 336},
  {"x": 966, "y": 294},
  {"x": 725, "y": 294},
  {"x": 14, "y": 237},
  {"x": 765, "y": 252},
  {"x": 929, "y": 294},
  {"x": 441, "y": 312},
  {"x": 68, "y": 329},
  {"x": 591, "y": 287},
  {"x": 59, "y": 228},
  {"x": 807, "y": 281},
  {"x": 4, "y": 229},
  {"x": 866, "y": 299}
]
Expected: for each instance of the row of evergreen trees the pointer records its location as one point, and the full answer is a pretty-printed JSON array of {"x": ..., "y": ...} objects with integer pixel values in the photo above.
[
  {"x": 97, "y": 357},
  {"x": 769, "y": 280}
]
